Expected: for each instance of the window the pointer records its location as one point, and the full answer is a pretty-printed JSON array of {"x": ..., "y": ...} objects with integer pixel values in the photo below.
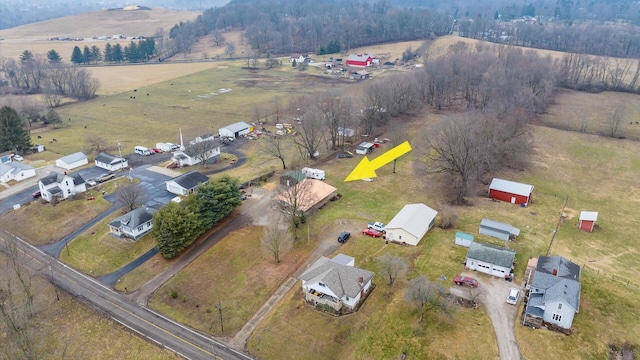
[
  {"x": 68, "y": 191},
  {"x": 149, "y": 223},
  {"x": 347, "y": 298},
  {"x": 400, "y": 237},
  {"x": 557, "y": 317},
  {"x": 559, "y": 306},
  {"x": 67, "y": 182},
  {"x": 140, "y": 228}
]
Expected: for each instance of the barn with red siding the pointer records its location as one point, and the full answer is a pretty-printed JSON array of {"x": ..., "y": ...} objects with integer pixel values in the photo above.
[
  {"x": 360, "y": 60},
  {"x": 587, "y": 220},
  {"x": 511, "y": 191}
]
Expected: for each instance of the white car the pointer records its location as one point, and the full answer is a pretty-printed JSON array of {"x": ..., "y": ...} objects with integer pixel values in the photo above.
[
  {"x": 514, "y": 295},
  {"x": 17, "y": 158},
  {"x": 91, "y": 182}
]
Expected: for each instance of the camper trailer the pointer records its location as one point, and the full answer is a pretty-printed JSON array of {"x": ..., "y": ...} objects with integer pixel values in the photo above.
[
  {"x": 141, "y": 150},
  {"x": 364, "y": 148},
  {"x": 313, "y": 173}
]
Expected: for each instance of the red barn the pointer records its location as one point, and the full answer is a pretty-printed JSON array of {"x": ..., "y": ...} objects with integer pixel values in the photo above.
[
  {"x": 588, "y": 220},
  {"x": 511, "y": 191},
  {"x": 360, "y": 60}
]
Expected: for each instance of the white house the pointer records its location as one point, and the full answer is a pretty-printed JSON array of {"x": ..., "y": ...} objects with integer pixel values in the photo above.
[
  {"x": 336, "y": 282},
  {"x": 299, "y": 58},
  {"x": 110, "y": 162},
  {"x": 411, "y": 224},
  {"x": 186, "y": 183},
  {"x": 196, "y": 153},
  {"x": 16, "y": 171},
  {"x": 490, "y": 259},
  {"x": 235, "y": 130},
  {"x": 203, "y": 137},
  {"x": 554, "y": 292},
  {"x": 60, "y": 186},
  {"x": 72, "y": 161},
  {"x": 133, "y": 224}
]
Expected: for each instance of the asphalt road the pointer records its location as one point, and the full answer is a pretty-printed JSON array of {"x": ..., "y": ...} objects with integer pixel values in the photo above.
[{"x": 140, "y": 319}]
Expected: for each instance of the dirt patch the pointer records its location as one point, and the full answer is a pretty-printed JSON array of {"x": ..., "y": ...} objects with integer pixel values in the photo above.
[{"x": 624, "y": 352}]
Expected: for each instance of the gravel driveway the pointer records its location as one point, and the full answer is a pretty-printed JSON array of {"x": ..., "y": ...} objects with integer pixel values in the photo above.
[{"x": 493, "y": 296}]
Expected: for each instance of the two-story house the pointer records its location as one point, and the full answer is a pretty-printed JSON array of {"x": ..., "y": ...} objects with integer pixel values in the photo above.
[{"x": 61, "y": 186}]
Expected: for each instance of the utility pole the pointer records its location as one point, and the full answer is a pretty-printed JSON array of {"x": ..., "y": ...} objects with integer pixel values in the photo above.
[
  {"x": 53, "y": 279},
  {"x": 66, "y": 245},
  {"x": 560, "y": 218},
  {"x": 220, "y": 312}
]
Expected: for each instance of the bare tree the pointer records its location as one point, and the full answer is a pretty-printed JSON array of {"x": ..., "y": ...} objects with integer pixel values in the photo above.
[
  {"x": 201, "y": 150},
  {"x": 397, "y": 135},
  {"x": 392, "y": 266},
  {"x": 276, "y": 239},
  {"x": 131, "y": 197},
  {"x": 296, "y": 201},
  {"x": 615, "y": 122},
  {"x": 310, "y": 134},
  {"x": 218, "y": 38},
  {"x": 274, "y": 146},
  {"x": 95, "y": 144},
  {"x": 230, "y": 49},
  {"x": 427, "y": 296}
]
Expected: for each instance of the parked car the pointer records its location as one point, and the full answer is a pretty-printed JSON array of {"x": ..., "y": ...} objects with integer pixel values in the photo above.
[
  {"x": 465, "y": 281},
  {"x": 37, "y": 194},
  {"x": 17, "y": 158},
  {"x": 91, "y": 182},
  {"x": 344, "y": 236},
  {"x": 514, "y": 295},
  {"x": 106, "y": 176},
  {"x": 157, "y": 150},
  {"x": 373, "y": 233},
  {"x": 344, "y": 155},
  {"x": 377, "y": 225}
]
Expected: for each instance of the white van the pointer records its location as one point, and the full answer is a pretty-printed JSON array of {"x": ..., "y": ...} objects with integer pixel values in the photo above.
[{"x": 141, "y": 150}]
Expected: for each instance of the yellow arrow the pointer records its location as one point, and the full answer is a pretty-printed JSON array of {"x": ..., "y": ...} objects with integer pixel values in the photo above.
[{"x": 367, "y": 169}]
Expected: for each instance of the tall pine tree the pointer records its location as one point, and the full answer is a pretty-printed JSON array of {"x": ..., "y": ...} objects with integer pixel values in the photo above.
[{"x": 14, "y": 134}]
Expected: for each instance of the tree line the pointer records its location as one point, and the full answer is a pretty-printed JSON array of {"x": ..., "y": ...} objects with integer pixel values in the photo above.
[{"x": 135, "y": 52}]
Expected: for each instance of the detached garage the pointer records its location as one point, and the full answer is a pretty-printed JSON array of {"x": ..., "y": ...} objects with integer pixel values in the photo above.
[
  {"x": 235, "y": 130},
  {"x": 511, "y": 191},
  {"x": 490, "y": 259},
  {"x": 588, "y": 220},
  {"x": 110, "y": 162},
  {"x": 498, "y": 230},
  {"x": 72, "y": 161},
  {"x": 411, "y": 224},
  {"x": 186, "y": 183}
]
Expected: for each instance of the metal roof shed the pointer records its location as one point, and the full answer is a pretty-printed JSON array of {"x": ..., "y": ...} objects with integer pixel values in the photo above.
[{"x": 498, "y": 229}]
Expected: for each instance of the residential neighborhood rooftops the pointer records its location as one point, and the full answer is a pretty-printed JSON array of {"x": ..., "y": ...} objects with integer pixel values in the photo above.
[
  {"x": 557, "y": 288},
  {"x": 491, "y": 254},
  {"x": 559, "y": 266},
  {"x": 134, "y": 218},
  {"x": 191, "y": 179},
  {"x": 340, "y": 279},
  {"x": 511, "y": 187}
]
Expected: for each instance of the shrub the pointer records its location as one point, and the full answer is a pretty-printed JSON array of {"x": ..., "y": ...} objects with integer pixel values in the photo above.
[
  {"x": 448, "y": 218},
  {"x": 174, "y": 294}
]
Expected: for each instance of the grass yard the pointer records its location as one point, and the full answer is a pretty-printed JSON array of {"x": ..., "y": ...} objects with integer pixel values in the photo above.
[
  {"x": 235, "y": 273},
  {"x": 97, "y": 253}
]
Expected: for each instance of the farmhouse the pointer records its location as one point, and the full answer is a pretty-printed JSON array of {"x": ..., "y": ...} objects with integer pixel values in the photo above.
[
  {"x": 360, "y": 60},
  {"x": 186, "y": 183},
  {"x": 235, "y": 130},
  {"x": 336, "y": 282},
  {"x": 554, "y": 293},
  {"x": 587, "y": 220},
  {"x": 300, "y": 58},
  {"x": 133, "y": 224},
  {"x": 59, "y": 186},
  {"x": 110, "y": 162},
  {"x": 490, "y": 259},
  {"x": 15, "y": 171},
  {"x": 463, "y": 239},
  {"x": 72, "y": 161},
  {"x": 411, "y": 224},
  {"x": 197, "y": 153},
  {"x": 498, "y": 230},
  {"x": 510, "y": 191},
  {"x": 308, "y": 195}
]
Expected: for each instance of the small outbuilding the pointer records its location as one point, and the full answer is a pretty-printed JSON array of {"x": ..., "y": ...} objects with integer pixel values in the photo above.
[
  {"x": 235, "y": 130},
  {"x": 511, "y": 191},
  {"x": 489, "y": 259},
  {"x": 292, "y": 177},
  {"x": 498, "y": 230},
  {"x": 463, "y": 239},
  {"x": 110, "y": 162},
  {"x": 186, "y": 183},
  {"x": 72, "y": 161},
  {"x": 411, "y": 224},
  {"x": 588, "y": 220},
  {"x": 359, "y": 75}
]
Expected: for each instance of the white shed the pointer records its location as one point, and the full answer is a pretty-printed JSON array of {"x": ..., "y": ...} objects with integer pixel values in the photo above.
[
  {"x": 463, "y": 239},
  {"x": 235, "y": 130},
  {"x": 411, "y": 224},
  {"x": 72, "y": 161}
]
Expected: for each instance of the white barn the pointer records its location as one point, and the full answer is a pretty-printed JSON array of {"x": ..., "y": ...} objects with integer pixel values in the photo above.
[
  {"x": 110, "y": 162},
  {"x": 411, "y": 224},
  {"x": 72, "y": 161},
  {"x": 235, "y": 130},
  {"x": 489, "y": 259}
]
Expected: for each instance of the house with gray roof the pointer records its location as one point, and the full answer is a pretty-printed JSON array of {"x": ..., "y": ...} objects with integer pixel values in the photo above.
[
  {"x": 498, "y": 230},
  {"x": 133, "y": 224},
  {"x": 554, "y": 292},
  {"x": 186, "y": 183},
  {"x": 110, "y": 162},
  {"x": 336, "y": 282},
  {"x": 60, "y": 186},
  {"x": 15, "y": 171},
  {"x": 410, "y": 224},
  {"x": 72, "y": 161},
  {"x": 489, "y": 259}
]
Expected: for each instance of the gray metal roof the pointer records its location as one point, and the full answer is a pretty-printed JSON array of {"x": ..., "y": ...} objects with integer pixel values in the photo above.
[
  {"x": 496, "y": 225},
  {"x": 491, "y": 254},
  {"x": 134, "y": 218},
  {"x": 52, "y": 177},
  {"x": 235, "y": 127},
  {"x": 342, "y": 259},
  {"x": 77, "y": 179},
  {"x": 413, "y": 218},
  {"x": 511, "y": 187},
  {"x": 108, "y": 159},
  {"x": 340, "y": 279},
  {"x": 73, "y": 157},
  {"x": 535, "y": 304},
  {"x": 557, "y": 288},
  {"x": 564, "y": 268},
  {"x": 191, "y": 179}
]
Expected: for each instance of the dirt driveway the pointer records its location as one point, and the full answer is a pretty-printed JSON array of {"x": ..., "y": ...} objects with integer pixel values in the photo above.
[{"x": 493, "y": 296}]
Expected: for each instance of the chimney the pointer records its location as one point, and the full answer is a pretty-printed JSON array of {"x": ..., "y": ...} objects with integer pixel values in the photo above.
[
  {"x": 360, "y": 280},
  {"x": 555, "y": 272}
]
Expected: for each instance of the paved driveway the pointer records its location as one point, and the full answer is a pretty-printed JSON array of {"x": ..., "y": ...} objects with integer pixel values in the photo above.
[{"x": 493, "y": 296}]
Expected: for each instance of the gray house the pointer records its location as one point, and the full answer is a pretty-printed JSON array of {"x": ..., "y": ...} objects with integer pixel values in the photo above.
[
  {"x": 554, "y": 292},
  {"x": 133, "y": 224},
  {"x": 186, "y": 183},
  {"x": 489, "y": 259},
  {"x": 498, "y": 230}
]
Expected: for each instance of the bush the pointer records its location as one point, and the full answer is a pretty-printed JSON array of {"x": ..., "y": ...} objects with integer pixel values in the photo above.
[
  {"x": 174, "y": 294},
  {"x": 448, "y": 218}
]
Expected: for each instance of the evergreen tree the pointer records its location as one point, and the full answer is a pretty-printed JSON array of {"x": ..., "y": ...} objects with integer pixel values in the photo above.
[
  {"x": 86, "y": 55},
  {"x": 175, "y": 227},
  {"x": 96, "y": 54},
  {"x": 14, "y": 135},
  {"x": 333, "y": 47},
  {"x": 26, "y": 56},
  {"x": 108, "y": 53},
  {"x": 217, "y": 199},
  {"x": 76, "y": 56},
  {"x": 54, "y": 118},
  {"x": 118, "y": 55},
  {"x": 54, "y": 57}
]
